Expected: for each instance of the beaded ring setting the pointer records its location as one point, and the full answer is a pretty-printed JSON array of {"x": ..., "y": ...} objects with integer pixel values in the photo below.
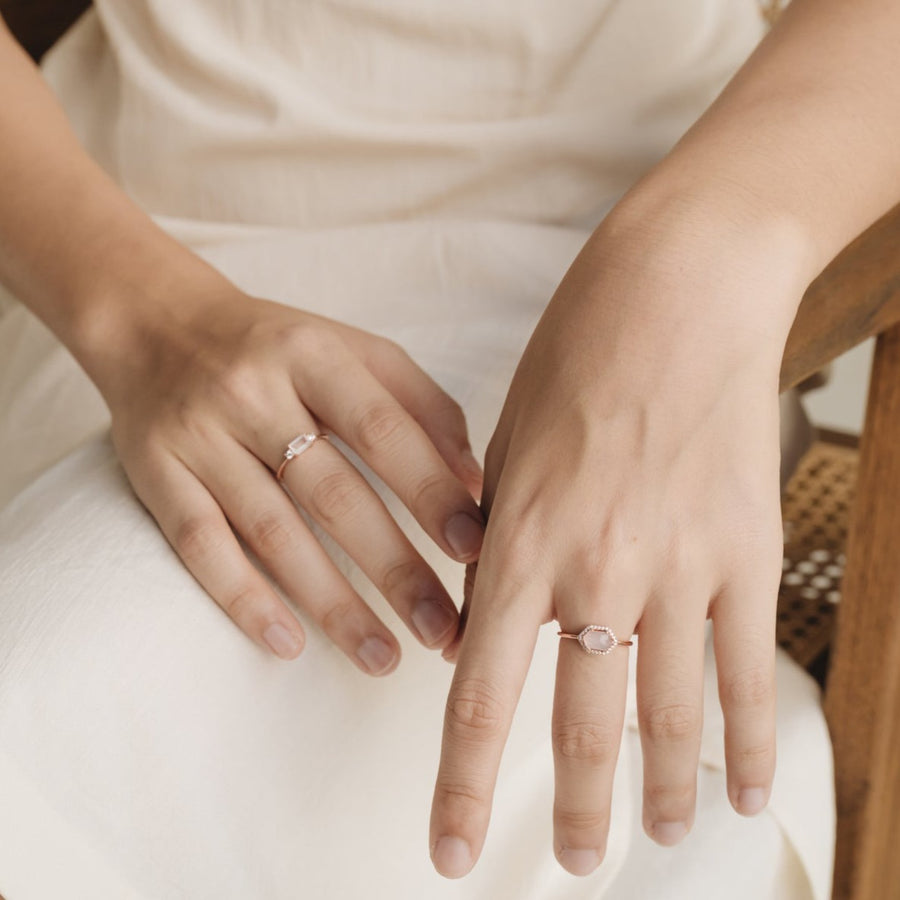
[{"x": 598, "y": 640}]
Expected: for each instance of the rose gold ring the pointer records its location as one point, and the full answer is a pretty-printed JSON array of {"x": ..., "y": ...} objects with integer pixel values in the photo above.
[
  {"x": 597, "y": 639},
  {"x": 298, "y": 445}
]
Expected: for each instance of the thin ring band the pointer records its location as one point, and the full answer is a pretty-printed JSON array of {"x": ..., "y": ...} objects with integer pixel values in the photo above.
[
  {"x": 597, "y": 640},
  {"x": 298, "y": 445}
]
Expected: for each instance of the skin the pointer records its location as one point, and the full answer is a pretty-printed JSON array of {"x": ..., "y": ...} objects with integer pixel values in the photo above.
[
  {"x": 200, "y": 380},
  {"x": 649, "y": 387}
]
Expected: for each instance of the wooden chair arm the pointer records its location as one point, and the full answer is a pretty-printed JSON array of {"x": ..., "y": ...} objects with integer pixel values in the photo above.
[{"x": 856, "y": 297}]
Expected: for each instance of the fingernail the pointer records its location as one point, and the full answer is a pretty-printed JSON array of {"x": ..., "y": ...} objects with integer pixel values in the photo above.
[
  {"x": 470, "y": 464},
  {"x": 669, "y": 833},
  {"x": 452, "y": 857},
  {"x": 751, "y": 801},
  {"x": 464, "y": 535},
  {"x": 579, "y": 862},
  {"x": 282, "y": 642},
  {"x": 376, "y": 655},
  {"x": 432, "y": 620}
]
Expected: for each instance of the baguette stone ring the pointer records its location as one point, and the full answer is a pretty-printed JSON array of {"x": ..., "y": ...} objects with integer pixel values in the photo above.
[
  {"x": 597, "y": 640},
  {"x": 298, "y": 445}
]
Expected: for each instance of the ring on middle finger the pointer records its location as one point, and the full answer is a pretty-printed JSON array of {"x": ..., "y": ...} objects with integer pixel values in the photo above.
[{"x": 598, "y": 640}]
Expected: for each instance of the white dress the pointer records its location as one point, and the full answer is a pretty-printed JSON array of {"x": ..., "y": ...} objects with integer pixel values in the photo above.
[{"x": 425, "y": 169}]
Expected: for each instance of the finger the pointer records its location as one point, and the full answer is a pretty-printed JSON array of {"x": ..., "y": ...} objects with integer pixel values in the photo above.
[
  {"x": 493, "y": 662},
  {"x": 670, "y": 715},
  {"x": 495, "y": 449},
  {"x": 440, "y": 416},
  {"x": 744, "y": 640},
  {"x": 337, "y": 496},
  {"x": 371, "y": 421},
  {"x": 195, "y": 526},
  {"x": 451, "y": 651},
  {"x": 261, "y": 512},
  {"x": 588, "y": 716}
]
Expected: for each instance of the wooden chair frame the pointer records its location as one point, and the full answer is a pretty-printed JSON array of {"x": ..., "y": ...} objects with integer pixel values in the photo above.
[{"x": 856, "y": 297}]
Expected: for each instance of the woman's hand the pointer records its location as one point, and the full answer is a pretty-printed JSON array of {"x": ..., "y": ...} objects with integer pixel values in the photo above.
[
  {"x": 633, "y": 480},
  {"x": 633, "y": 483},
  {"x": 204, "y": 402}
]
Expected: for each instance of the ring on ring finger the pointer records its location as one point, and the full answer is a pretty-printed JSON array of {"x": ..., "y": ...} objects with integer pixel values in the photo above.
[{"x": 298, "y": 445}]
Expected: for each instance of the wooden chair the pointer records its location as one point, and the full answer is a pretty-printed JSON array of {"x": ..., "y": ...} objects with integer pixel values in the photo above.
[{"x": 856, "y": 297}]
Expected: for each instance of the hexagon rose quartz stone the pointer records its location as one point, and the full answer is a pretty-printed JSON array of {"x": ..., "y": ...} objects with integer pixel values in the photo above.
[{"x": 597, "y": 639}]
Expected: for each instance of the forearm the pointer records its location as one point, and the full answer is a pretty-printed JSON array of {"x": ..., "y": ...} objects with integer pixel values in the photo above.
[
  {"x": 73, "y": 247},
  {"x": 802, "y": 144}
]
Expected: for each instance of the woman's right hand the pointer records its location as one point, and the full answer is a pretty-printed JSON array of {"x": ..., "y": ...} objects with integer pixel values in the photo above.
[
  {"x": 204, "y": 402},
  {"x": 207, "y": 386}
]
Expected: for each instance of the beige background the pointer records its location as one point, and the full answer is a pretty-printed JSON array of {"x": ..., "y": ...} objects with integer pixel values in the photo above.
[{"x": 841, "y": 404}]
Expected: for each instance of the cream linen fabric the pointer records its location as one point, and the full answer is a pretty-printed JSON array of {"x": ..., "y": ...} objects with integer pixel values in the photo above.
[{"x": 425, "y": 170}]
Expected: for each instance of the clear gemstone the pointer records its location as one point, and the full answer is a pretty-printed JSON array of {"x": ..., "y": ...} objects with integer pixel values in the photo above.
[
  {"x": 597, "y": 640},
  {"x": 299, "y": 444}
]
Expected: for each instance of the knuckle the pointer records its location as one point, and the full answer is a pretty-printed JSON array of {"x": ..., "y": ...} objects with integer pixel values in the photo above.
[
  {"x": 674, "y": 799},
  {"x": 448, "y": 411},
  {"x": 747, "y": 689},
  {"x": 242, "y": 387},
  {"x": 313, "y": 340},
  {"x": 199, "y": 538},
  {"x": 460, "y": 794},
  {"x": 378, "y": 425},
  {"x": 390, "y": 351},
  {"x": 239, "y": 384},
  {"x": 321, "y": 352},
  {"x": 590, "y": 742},
  {"x": 474, "y": 710},
  {"x": 684, "y": 557},
  {"x": 188, "y": 416},
  {"x": 674, "y": 722},
  {"x": 241, "y": 603},
  {"x": 401, "y": 577},
  {"x": 580, "y": 820},
  {"x": 429, "y": 485},
  {"x": 519, "y": 538},
  {"x": 335, "y": 618},
  {"x": 336, "y": 495},
  {"x": 759, "y": 757},
  {"x": 269, "y": 536}
]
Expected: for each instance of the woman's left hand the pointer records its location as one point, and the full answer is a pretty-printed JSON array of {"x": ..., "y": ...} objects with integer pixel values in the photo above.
[{"x": 633, "y": 483}]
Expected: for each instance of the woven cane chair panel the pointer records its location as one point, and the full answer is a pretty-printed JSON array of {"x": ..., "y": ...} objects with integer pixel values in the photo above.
[{"x": 815, "y": 508}]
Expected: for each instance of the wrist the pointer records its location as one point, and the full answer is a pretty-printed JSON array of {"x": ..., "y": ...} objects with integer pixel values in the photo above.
[
  {"x": 683, "y": 213},
  {"x": 718, "y": 251},
  {"x": 114, "y": 323},
  {"x": 685, "y": 293}
]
